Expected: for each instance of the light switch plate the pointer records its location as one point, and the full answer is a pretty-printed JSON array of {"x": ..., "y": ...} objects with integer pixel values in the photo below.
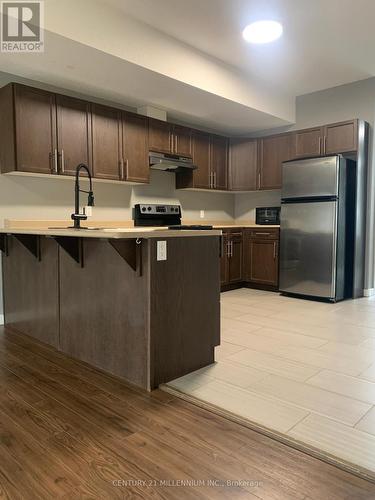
[
  {"x": 88, "y": 211},
  {"x": 161, "y": 250},
  {"x": 201, "y": 214}
]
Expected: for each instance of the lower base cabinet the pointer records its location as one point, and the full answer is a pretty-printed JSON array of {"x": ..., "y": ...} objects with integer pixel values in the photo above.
[
  {"x": 261, "y": 257},
  {"x": 231, "y": 258},
  {"x": 250, "y": 257}
]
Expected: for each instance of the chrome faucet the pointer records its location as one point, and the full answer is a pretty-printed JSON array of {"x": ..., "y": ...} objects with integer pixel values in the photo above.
[{"x": 77, "y": 217}]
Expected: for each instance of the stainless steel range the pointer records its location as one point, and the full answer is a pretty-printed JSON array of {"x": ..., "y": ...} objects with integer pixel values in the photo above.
[{"x": 162, "y": 215}]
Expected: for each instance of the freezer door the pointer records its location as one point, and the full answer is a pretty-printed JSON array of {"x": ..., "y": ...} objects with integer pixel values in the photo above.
[
  {"x": 308, "y": 248},
  {"x": 310, "y": 178}
]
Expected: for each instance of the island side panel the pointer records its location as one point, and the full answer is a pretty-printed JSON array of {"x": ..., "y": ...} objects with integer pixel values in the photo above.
[
  {"x": 30, "y": 288},
  {"x": 104, "y": 311},
  {"x": 184, "y": 306}
]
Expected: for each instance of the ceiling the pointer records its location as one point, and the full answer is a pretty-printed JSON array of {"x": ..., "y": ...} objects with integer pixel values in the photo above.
[
  {"x": 187, "y": 57},
  {"x": 325, "y": 43}
]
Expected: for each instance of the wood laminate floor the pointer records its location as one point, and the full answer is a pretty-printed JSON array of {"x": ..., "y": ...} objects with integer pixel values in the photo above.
[
  {"x": 303, "y": 369},
  {"x": 69, "y": 431}
]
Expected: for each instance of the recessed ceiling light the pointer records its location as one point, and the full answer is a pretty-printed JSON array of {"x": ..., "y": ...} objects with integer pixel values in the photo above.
[{"x": 262, "y": 32}]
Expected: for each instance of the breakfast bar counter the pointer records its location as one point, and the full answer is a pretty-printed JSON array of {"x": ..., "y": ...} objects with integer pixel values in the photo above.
[{"x": 140, "y": 303}]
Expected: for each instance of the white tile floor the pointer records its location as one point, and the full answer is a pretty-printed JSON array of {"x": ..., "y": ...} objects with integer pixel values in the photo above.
[{"x": 301, "y": 368}]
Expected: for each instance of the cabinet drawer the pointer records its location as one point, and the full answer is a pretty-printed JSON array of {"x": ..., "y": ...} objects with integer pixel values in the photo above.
[{"x": 263, "y": 234}]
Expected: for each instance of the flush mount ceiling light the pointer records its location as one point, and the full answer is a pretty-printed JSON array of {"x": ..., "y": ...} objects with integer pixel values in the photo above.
[{"x": 262, "y": 32}]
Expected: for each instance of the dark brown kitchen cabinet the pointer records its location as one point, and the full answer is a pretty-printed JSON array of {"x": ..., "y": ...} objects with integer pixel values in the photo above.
[
  {"x": 334, "y": 138},
  {"x": 159, "y": 136},
  {"x": 35, "y": 130},
  {"x": 202, "y": 177},
  {"x": 261, "y": 256},
  {"x": 341, "y": 137},
  {"x": 231, "y": 259},
  {"x": 135, "y": 147},
  {"x": 73, "y": 133},
  {"x": 181, "y": 140},
  {"x": 273, "y": 151},
  {"x": 243, "y": 164},
  {"x": 107, "y": 157},
  {"x": 308, "y": 142},
  {"x": 219, "y": 162}
]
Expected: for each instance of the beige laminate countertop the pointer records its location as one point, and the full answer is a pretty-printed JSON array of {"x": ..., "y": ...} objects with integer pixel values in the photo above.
[
  {"x": 246, "y": 226},
  {"x": 116, "y": 233}
]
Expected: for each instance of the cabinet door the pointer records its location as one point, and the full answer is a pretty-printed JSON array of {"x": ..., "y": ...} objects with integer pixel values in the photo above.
[
  {"x": 308, "y": 143},
  {"x": 106, "y": 140},
  {"x": 201, "y": 158},
  {"x": 224, "y": 261},
  {"x": 219, "y": 161},
  {"x": 341, "y": 137},
  {"x": 135, "y": 143},
  {"x": 243, "y": 164},
  {"x": 235, "y": 258},
  {"x": 159, "y": 136},
  {"x": 35, "y": 112},
  {"x": 262, "y": 261},
  {"x": 73, "y": 133},
  {"x": 182, "y": 140},
  {"x": 273, "y": 151}
]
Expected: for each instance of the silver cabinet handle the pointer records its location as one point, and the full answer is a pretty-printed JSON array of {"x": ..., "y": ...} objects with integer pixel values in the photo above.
[
  {"x": 62, "y": 162},
  {"x": 320, "y": 145},
  {"x": 210, "y": 180},
  {"x": 122, "y": 169},
  {"x": 175, "y": 143},
  {"x": 214, "y": 174},
  {"x": 231, "y": 249},
  {"x": 263, "y": 234},
  {"x": 55, "y": 161},
  {"x": 274, "y": 250},
  {"x": 325, "y": 143},
  {"x": 228, "y": 249},
  {"x": 259, "y": 180},
  {"x": 127, "y": 168}
]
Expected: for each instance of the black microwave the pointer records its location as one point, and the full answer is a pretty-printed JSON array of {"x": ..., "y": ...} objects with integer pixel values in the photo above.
[{"x": 268, "y": 215}]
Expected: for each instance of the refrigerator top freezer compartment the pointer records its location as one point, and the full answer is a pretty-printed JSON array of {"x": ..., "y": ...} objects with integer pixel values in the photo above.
[{"x": 311, "y": 178}]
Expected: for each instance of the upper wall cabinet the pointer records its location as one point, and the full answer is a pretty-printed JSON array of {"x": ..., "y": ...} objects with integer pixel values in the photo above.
[
  {"x": 341, "y": 137},
  {"x": 335, "y": 138},
  {"x": 243, "y": 164},
  {"x": 210, "y": 155},
  {"x": 28, "y": 130},
  {"x": 202, "y": 177},
  {"x": 164, "y": 137},
  {"x": 107, "y": 156},
  {"x": 273, "y": 151},
  {"x": 181, "y": 140},
  {"x": 219, "y": 162},
  {"x": 73, "y": 133},
  {"x": 135, "y": 148},
  {"x": 308, "y": 142},
  {"x": 43, "y": 132},
  {"x": 159, "y": 136}
]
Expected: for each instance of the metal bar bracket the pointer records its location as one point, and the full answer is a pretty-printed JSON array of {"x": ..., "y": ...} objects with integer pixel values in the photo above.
[
  {"x": 4, "y": 243},
  {"x": 31, "y": 242},
  {"x": 130, "y": 250},
  {"x": 73, "y": 246}
]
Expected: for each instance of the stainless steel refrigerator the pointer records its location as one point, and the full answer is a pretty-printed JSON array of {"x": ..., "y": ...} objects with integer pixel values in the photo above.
[{"x": 316, "y": 224}]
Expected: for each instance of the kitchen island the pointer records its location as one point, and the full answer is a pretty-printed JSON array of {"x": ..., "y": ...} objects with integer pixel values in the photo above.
[{"x": 139, "y": 303}]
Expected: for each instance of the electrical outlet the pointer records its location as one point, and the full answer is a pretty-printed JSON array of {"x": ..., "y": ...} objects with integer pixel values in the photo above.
[
  {"x": 161, "y": 250},
  {"x": 201, "y": 214}
]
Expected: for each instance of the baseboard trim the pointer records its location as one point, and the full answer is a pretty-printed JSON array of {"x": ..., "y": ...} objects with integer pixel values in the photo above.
[
  {"x": 368, "y": 292},
  {"x": 1, "y": 319}
]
